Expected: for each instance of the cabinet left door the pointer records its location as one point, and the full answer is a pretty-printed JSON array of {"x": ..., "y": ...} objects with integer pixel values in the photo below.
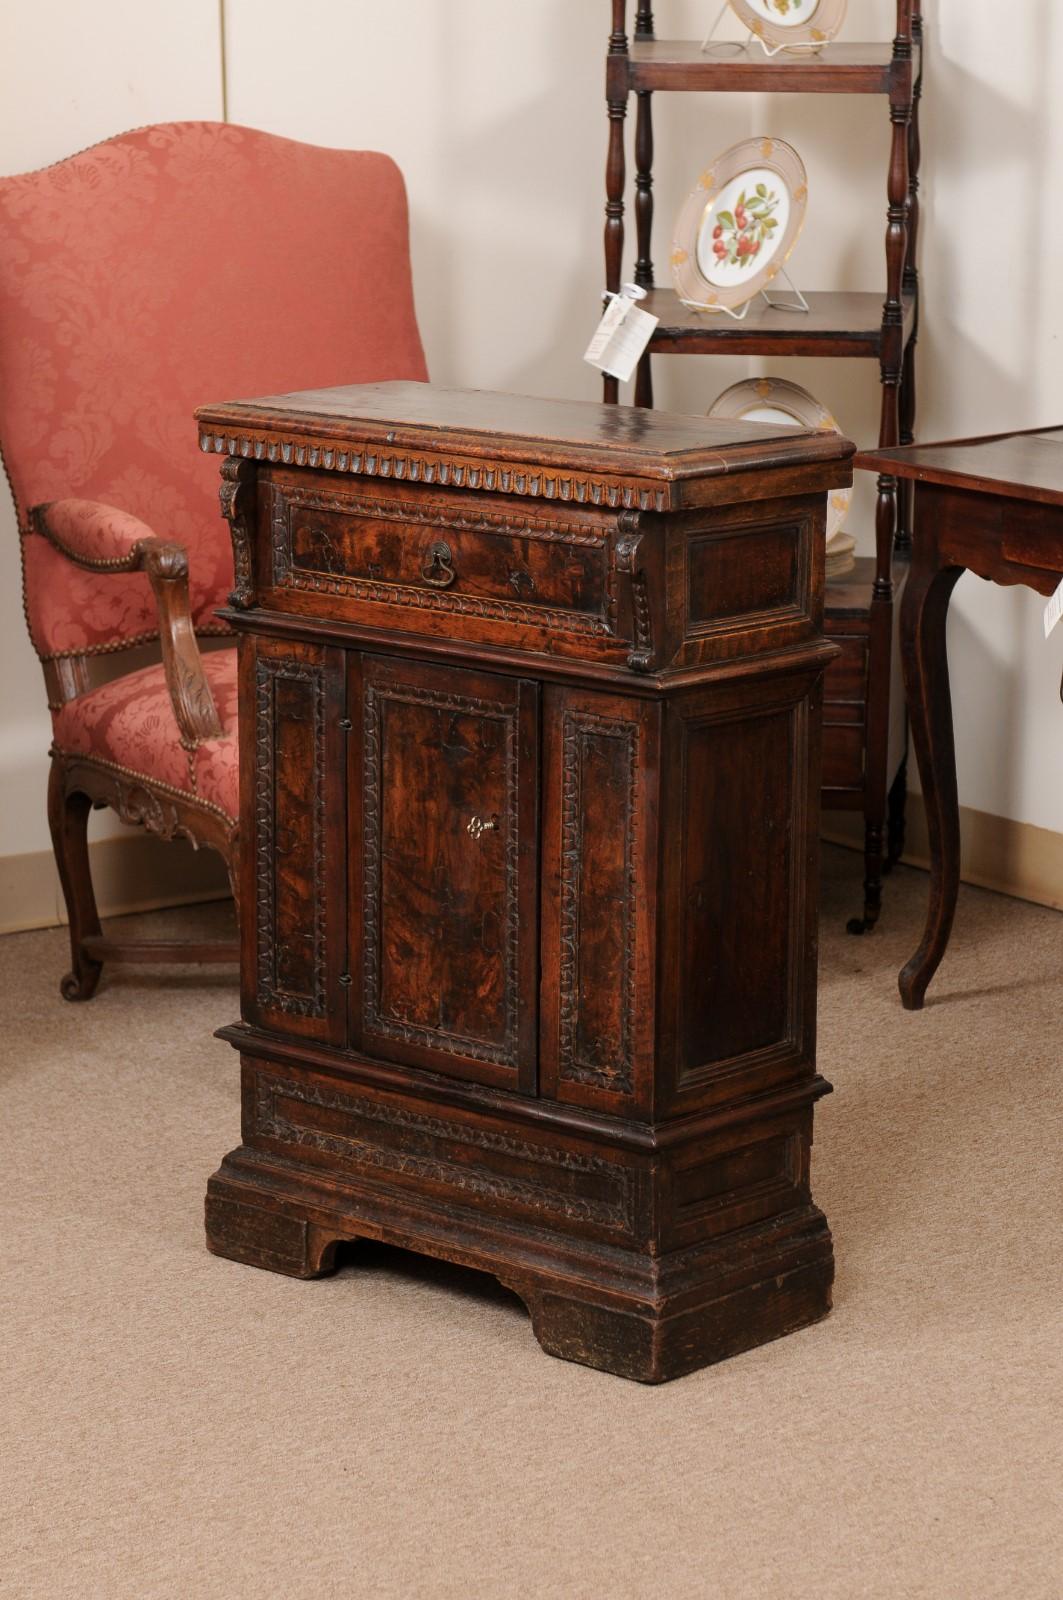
[
  {"x": 443, "y": 823},
  {"x": 292, "y": 838}
]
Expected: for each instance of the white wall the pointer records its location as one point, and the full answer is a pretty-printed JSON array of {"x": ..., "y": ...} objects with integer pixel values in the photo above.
[
  {"x": 991, "y": 256},
  {"x": 494, "y": 109}
]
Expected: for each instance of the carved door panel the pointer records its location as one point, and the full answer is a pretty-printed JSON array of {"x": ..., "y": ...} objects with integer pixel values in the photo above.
[
  {"x": 600, "y": 765},
  {"x": 292, "y": 777},
  {"x": 444, "y": 855}
]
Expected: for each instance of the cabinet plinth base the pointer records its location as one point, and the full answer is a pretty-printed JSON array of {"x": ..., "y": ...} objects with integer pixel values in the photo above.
[{"x": 617, "y": 1303}]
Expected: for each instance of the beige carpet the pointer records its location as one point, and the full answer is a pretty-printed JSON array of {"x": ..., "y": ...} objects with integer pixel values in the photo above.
[{"x": 176, "y": 1425}]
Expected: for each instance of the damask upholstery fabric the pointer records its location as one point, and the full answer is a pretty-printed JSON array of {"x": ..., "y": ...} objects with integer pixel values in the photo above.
[
  {"x": 85, "y": 530},
  {"x": 130, "y": 724},
  {"x": 90, "y": 532},
  {"x": 162, "y": 269}
]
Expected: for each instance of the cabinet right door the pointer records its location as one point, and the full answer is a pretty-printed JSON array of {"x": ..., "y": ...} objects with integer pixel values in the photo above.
[
  {"x": 443, "y": 827},
  {"x": 600, "y": 838}
]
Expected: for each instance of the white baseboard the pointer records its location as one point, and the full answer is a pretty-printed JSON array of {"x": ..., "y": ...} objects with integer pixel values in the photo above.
[
  {"x": 1013, "y": 858},
  {"x": 133, "y": 872}
]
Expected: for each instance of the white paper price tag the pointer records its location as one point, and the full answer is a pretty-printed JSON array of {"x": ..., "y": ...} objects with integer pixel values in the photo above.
[
  {"x": 622, "y": 335},
  {"x": 1054, "y": 610}
]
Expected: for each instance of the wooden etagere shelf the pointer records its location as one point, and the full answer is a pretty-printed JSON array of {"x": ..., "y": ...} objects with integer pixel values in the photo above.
[
  {"x": 842, "y": 69},
  {"x": 836, "y": 324},
  {"x": 865, "y": 738}
]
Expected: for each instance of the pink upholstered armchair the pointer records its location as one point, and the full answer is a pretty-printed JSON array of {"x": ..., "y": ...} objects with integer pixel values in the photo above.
[{"x": 164, "y": 268}]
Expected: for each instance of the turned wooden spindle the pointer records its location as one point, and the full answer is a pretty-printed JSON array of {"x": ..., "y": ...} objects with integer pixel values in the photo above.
[
  {"x": 886, "y": 513},
  {"x": 644, "y": 189},
  {"x": 615, "y": 170},
  {"x": 893, "y": 310},
  {"x": 644, "y": 226},
  {"x": 906, "y": 496}
]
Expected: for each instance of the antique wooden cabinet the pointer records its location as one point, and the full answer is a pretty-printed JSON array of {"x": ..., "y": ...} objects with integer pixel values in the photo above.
[{"x": 530, "y": 722}]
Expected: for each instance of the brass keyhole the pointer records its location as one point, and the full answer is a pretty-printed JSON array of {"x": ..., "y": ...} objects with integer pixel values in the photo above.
[
  {"x": 438, "y": 570},
  {"x": 480, "y": 825}
]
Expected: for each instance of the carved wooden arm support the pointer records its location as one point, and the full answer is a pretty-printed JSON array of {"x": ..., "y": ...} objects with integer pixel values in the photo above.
[{"x": 106, "y": 540}]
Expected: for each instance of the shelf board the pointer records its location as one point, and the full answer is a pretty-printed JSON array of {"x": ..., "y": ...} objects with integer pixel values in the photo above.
[
  {"x": 839, "y": 69},
  {"x": 837, "y": 324},
  {"x": 849, "y": 595}
]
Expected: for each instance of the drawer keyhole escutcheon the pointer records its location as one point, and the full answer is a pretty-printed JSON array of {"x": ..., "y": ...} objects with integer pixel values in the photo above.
[
  {"x": 478, "y": 825},
  {"x": 438, "y": 570}
]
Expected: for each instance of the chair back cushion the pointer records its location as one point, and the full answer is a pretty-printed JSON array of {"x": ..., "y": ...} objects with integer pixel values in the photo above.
[{"x": 165, "y": 268}]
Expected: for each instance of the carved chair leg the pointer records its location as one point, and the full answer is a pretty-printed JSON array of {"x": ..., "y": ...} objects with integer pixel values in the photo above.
[{"x": 68, "y": 816}]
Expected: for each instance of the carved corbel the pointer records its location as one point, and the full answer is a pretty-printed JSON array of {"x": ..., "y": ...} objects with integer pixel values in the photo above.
[
  {"x": 640, "y": 657},
  {"x": 237, "y": 495}
]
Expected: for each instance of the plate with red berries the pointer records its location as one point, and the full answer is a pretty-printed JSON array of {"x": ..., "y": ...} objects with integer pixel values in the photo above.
[
  {"x": 737, "y": 228},
  {"x": 792, "y": 24}
]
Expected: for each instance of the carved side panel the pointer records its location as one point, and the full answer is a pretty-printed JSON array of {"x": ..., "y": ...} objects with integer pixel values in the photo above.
[
  {"x": 599, "y": 895},
  {"x": 448, "y": 881},
  {"x": 293, "y": 960},
  {"x": 738, "y": 965}
]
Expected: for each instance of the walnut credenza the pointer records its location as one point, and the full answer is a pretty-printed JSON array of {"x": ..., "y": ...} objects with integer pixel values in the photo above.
[{"x": 530, "y": 721}]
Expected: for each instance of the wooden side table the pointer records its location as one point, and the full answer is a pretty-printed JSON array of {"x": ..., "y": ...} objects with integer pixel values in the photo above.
[
  {"x": 992, "y": 506},
  {"x": 530, "y": 721}
]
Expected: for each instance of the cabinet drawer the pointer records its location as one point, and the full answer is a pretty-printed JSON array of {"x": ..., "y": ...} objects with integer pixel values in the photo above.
[
  {"x": 845, "y": 682},
  {"x": 432, "y": 553}
]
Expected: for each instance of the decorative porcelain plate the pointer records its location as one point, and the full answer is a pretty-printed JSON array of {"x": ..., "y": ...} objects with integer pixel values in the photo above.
[
  {"x": 776, "y": 400},
  {"x": 737, "y": 229},
  {"x": 792, "y": 24}
]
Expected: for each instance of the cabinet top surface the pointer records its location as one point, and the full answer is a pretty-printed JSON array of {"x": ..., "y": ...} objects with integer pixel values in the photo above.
[
  {"x": 621, "y": 440},
  {"x": 1019, "y": 466}
]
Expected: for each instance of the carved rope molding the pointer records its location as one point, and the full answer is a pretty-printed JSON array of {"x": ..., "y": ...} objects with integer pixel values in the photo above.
[
  {"x": 391, "y": 1027},
  {"x": 619, "y": 1076},
  {"x": 547, "y": 529},
  {"x": 269, "y": 994},
  {"x": 466, "y": 605},
  {"x": 495, "y": 478},
  {"x": 429, "y": 1162}
]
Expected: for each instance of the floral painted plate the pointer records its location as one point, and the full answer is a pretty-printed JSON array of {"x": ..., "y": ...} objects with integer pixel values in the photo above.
[
  {"x": 737, "y": 229},
  {"x": 792, "y": 24},
  {"x": 775, "y": 400}
]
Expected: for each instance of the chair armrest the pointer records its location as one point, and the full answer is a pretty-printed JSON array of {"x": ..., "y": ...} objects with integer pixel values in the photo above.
[
  {"x": 104, "y": 539},
  {"x": 92, "y": 535}
]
